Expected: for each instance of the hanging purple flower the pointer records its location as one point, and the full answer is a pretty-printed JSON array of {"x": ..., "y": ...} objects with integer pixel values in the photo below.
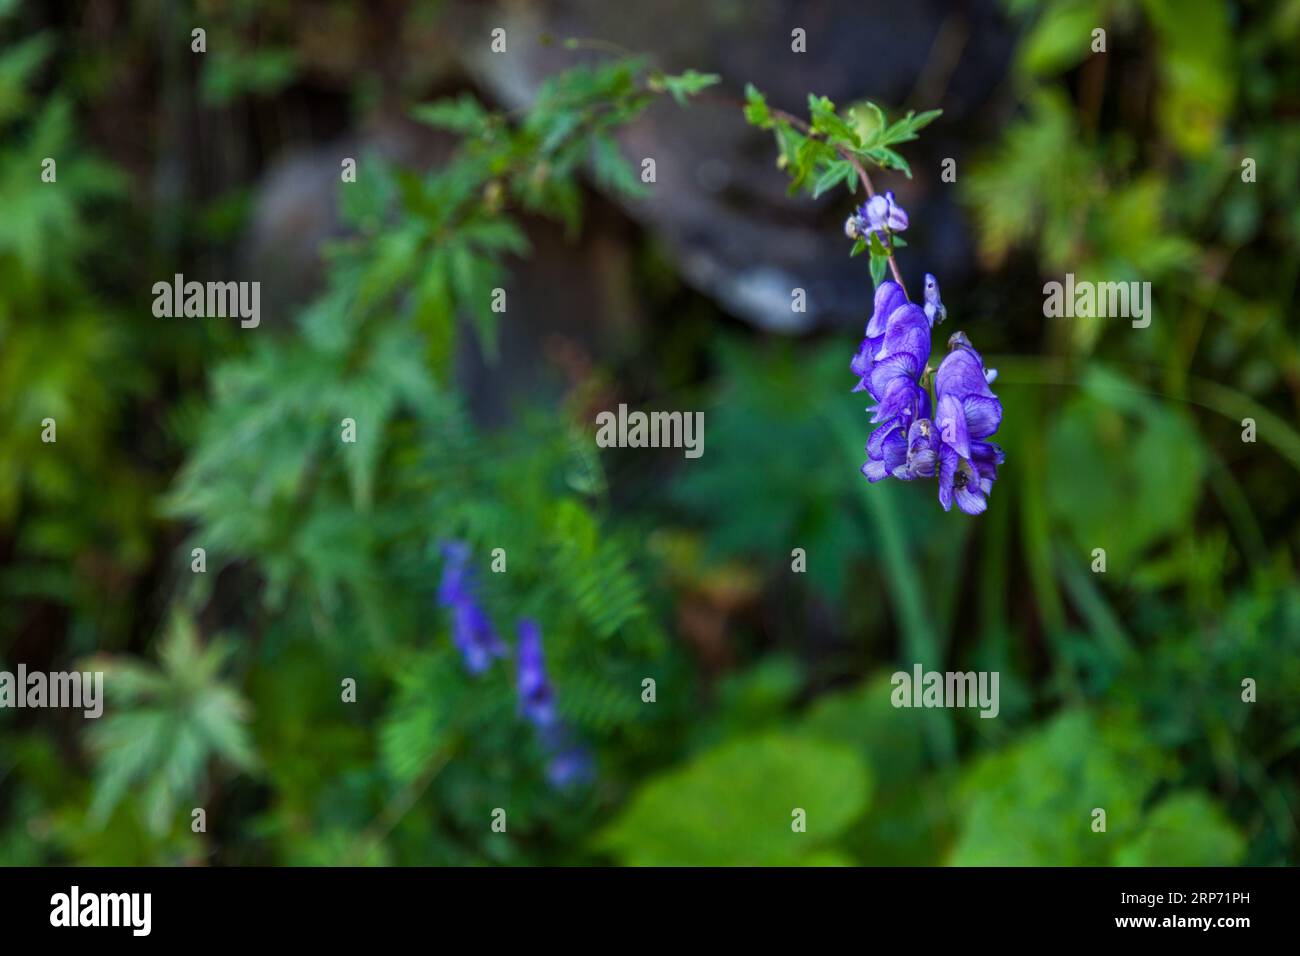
[
  {"x": 536, "y": 699},
  {"x": 889, "y": 364},
  {"x": 568, "y": 764},
  {"x": 471, "y": 631},
  {"x": 967, "y": 413}
]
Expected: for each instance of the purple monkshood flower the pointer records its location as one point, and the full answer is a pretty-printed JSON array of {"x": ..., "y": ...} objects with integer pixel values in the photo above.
[
  {"x": 569, "y": 764},
  {"x": 536, "y": 699},
  {"x": 889, "y": 364},
  {"x": 879, "y": 215},
  {"x": 911, "y": 440},
  {"x": 967, "y": 412},
  {"x": 471, "y": 631}
]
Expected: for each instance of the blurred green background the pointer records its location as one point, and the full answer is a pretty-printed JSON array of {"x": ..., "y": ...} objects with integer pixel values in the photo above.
[{"x": 1120, "y": 690}]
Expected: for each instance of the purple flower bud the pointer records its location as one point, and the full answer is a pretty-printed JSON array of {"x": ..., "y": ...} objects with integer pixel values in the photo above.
[
  {"x": 881, "y": 215},
  {"x": 934, "y": 310}
]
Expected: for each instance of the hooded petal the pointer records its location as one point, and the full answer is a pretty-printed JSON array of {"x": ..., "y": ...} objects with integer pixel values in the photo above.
[
  {"x": 961, "y": 374},
  {"x": 902, "y": 401},
  {"x": 983, "y": 416},
  {"x": 950, "y": 419},
  {"x": 889, "y": 296}
]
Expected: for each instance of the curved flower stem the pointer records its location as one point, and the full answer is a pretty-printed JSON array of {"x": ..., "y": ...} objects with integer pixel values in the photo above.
[
  {"x": 861, "y": 170},
  {"x": 846, "y": 154}
]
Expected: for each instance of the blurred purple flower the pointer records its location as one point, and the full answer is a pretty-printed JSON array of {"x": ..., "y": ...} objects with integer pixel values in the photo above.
[
  {"x": 471, "y": 631},
  {"x": 571, "y": 766},
  {"x": 568, "y": 763},
  {"x": 536, "y": 699}
]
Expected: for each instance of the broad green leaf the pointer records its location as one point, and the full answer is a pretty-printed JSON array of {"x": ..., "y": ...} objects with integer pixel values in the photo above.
[
  {"x": 1184, "y": 829},
  {"x": 733, "y": 805}
]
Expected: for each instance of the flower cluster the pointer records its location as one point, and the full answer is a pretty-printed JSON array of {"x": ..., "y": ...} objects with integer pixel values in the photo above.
[
  {"x": 479, "y": 645},
  {"x": 569, "y": 764},
  {"x": 915, "y": 437},
  {"x": 471, "y": 631}
]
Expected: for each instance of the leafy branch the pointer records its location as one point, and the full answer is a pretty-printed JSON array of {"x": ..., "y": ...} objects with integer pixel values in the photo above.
[{"x": 833, "y": 149}]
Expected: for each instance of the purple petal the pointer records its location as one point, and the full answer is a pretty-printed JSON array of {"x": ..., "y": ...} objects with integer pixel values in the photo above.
[
  {"x": 961, "y": 375},
  {"x": 948, "y": 461},
  {"x": 889, "y": 296},
  {"x": 983, "y": 415},
  {"x": 951, "y": 422},
  {"x": 907, "y": 335}
]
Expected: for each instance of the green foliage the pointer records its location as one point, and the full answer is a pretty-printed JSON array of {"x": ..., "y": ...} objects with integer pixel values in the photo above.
[
  {"x": 345, "y": 533},
  {"x": 163, "y": 726},
  {"x": 1125, "y": 470},
  {"x": 823, "y": 151},
  {"x": 684, "y": 85},
  {"x": 1185, "y": 829},
  {"x": 1120, "y": 690},
  {"x": 733, "y": 806},
  {"x": 230, "y": 74},
  {"x": 65, "y": 355},
  {"x": 1033, "y": 804},
  {"x": 832, "y": 149},
  {"x": 764, "y": 401}
]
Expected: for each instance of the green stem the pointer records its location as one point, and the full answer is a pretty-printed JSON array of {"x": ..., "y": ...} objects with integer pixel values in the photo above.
[{"x": 919, "y": 637}]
